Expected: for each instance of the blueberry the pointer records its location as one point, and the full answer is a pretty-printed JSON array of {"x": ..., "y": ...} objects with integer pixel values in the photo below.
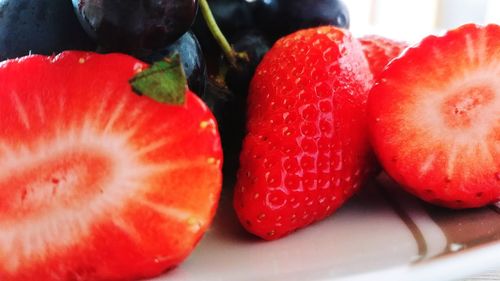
[
  {"x": 192, "y": 59},
  {"x": 39, "y": 27}
]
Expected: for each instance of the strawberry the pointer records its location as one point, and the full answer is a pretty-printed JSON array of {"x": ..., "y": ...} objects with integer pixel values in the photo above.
[
  {"x": 379, "y": 51},
  {"x": 434, "y": 118},
  {"x": 97, "y": 182},
  {"x": 307, "y": 150}
]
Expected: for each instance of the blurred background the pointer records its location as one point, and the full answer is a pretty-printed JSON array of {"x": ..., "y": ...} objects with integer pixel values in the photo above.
[{"x": 412, "y": 20}]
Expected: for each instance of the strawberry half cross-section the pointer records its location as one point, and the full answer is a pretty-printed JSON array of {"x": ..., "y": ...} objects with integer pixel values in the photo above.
[
  {"x": 434, "y": 118},
  {"x": 96, "y": 181}
]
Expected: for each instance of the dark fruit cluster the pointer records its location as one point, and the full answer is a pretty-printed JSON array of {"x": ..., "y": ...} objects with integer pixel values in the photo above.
[
  {"x": 273, "y": 18},
  {"x": 154, "y": 29},
  {"x": 147, "y": 29}
]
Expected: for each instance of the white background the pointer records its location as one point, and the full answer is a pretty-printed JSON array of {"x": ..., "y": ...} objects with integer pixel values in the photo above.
[{"x": 412, "y": 20}]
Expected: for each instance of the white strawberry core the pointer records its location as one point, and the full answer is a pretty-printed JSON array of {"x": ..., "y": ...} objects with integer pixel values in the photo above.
[
  {"x": 465, "y": 106},
  {"x": 460, "y": 121},
  {"x": 468, "y": 108},
  {"x": 55, "y": 191}
]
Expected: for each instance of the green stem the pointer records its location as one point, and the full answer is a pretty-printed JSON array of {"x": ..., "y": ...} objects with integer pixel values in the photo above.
[{"x": 231, "y": 55}]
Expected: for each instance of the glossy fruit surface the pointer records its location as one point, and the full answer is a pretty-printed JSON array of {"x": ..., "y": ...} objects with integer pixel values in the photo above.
[
  {"x": 281, "y": 17},
  {"x": 134, "y": 25},
  {"x": 306, "y": 150},
  {"x": 98, "y": 182},
  {"x": 192, "y": 59},
  {"x": 39, "y": 27},
  {"x": 434, "y": 118}
]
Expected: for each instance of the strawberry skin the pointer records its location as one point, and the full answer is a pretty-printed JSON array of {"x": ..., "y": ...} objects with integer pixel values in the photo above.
[
  {"x": 379, "y": 51},
  {"x": 306, "y": 151},
  {"x": 434, "y": 118},
  {"x": 97, "y": 182}
]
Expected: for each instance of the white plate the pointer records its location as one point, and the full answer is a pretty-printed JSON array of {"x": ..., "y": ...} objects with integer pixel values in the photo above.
[{"x": 382, "y": 234}]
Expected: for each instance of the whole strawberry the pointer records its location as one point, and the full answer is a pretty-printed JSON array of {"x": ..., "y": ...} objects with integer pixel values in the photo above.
[
  {"x": 379, "y": 51},
  {"x": 306, "y": 151},
  {"x": 434, "y": 118}
]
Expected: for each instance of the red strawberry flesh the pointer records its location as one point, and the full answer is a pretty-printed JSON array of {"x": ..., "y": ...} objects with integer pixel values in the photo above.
[
  {"x": 97, "y": 182},
  {"x": 435, "y": 118}
]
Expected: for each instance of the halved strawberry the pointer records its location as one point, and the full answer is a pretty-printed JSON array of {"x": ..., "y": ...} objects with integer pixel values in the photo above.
[
  {"x": 435, "y": 118},
  {"x": 97, "y": 182},
  {"x": 379, "y": 51}
]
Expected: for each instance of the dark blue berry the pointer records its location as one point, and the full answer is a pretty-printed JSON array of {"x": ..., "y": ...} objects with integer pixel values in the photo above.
[
  {"x": 191, "y": 57},
  {"x": 39, "y": 27}
]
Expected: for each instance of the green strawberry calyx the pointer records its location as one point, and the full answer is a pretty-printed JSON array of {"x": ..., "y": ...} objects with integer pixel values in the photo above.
[{"x": 165, "y": 81}]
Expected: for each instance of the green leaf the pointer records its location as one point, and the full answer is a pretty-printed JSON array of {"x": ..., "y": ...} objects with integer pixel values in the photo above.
[{"x": 165, "y": 81}]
